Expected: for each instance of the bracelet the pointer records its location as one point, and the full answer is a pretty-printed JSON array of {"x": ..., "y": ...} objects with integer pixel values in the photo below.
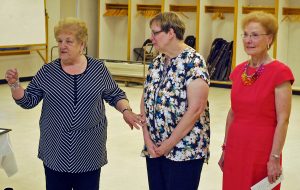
[
  {"x": 223, "y": 147},
  {"x": 276, "y": 156},
  {"x": 15, "y": 85},
  {"x": 126, "y": 109}
]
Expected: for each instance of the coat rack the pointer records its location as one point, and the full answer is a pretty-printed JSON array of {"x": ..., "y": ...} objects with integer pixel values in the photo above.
[
  {"x": 218, "y": 11},
  {"x": 181, "y": 9},
  {"x": 116, "y": 9},
  {"x": 148, "y": 10},
  {"x": 291, "y": 14},
  {"x": 249, "y": 9}
]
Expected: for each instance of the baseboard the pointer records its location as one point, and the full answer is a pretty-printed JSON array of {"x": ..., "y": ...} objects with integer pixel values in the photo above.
[{"x": 22, "y": 79}]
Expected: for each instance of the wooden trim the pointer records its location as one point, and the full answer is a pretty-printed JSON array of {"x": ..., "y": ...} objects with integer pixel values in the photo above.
[
  {"x": 22, "y": 45},
  {"x": 148, "y": 10},
  {"x": 14, "y": 52},
  {"x": 46, "y": 58},
  {"x": 291, "y": 11},
  {"x": 183, "y": 8},
  {"x": 276, "y": 15},
  {"x": 219, "y": 9},
  {"x": 146, "y": 7},
  {"x": 116, "y": 9},
  {"x": 163, "y": 6},
  {"x": 129, "y": 30},
  {"x": 41, "y": 55},
  {"x": 116, "y": 6},
  {"x": 233, "y": 61},
  {"x": 249, "y": 9}
]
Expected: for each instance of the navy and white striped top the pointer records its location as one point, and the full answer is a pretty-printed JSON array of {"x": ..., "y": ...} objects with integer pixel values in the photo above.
[{"x": 73, "y": 125}]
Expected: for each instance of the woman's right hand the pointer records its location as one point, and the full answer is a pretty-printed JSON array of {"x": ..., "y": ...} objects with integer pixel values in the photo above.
[
  {"x": 150, "y": 146},
  {"x": 11, "y": 76},
  {"x": 221, "y": 161}
]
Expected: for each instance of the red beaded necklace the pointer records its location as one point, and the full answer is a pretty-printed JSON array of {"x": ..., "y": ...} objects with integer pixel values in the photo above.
[{"x": 248, "y": 80}]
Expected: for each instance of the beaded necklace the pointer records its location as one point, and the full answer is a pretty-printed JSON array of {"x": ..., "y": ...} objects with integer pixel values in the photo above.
[{"x": 248, "y": 80}]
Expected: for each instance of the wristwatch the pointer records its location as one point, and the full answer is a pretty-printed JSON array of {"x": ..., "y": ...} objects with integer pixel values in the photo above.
[{"x": 125, "y": 109}]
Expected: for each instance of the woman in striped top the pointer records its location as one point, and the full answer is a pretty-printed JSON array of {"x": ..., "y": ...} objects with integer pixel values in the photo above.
[{"x": 73, "y": 125}]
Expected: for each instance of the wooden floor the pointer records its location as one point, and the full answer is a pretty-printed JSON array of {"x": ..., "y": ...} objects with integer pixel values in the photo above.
[{"x": 126, "y": 169}]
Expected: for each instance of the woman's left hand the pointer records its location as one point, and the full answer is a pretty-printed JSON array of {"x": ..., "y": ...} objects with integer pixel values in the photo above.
[
  {"x": 164, "y": 148},
  {"x": 274, "y": 169}
]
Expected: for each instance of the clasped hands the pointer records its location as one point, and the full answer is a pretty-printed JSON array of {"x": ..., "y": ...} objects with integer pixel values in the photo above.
[{"x": 162, "y": 149}]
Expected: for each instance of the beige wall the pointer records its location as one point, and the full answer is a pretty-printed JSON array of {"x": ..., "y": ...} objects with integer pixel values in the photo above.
[
  {"x": 53, "y": 9},
  {"x": 88, "y": 11},
  {"x": 67, "y": 8}
]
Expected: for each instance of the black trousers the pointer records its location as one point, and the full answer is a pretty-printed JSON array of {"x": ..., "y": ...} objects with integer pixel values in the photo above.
[
  {"x": 165, "y": 174},
  {"x": 68, "y": 181}
]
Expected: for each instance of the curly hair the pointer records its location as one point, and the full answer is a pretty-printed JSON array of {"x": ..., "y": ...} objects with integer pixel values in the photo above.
[{"x": 74, "y": 25}]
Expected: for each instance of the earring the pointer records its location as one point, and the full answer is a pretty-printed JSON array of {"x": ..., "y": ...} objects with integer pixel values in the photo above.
[{"x": 268, "y": 46}]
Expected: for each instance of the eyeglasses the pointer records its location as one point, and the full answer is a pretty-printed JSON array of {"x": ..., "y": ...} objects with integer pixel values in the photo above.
[
  {"x": 253, "y": 36},
  {"x": 155, "y": 33}
]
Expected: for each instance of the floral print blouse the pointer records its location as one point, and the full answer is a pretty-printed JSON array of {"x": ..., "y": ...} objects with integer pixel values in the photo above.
[{"x": 165, "y": 99}]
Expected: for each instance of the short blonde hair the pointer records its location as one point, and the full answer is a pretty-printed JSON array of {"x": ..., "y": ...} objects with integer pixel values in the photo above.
[
  {"x": 74, "y": 25},
  {"x": 267, "y": 20},
  {"x": 168, "y": 20}
]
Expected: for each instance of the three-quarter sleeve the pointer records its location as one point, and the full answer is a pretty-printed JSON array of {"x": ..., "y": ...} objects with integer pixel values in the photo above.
[
  {"x": 112, "y": 93},
  {"x": 33, "y": 93}
]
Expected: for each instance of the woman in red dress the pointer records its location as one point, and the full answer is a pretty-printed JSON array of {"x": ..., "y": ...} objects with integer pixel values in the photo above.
[{"x": 258, "y": 119}]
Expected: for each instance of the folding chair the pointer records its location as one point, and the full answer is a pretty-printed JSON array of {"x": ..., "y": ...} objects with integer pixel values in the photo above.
[{"x": 139, "y": 52}]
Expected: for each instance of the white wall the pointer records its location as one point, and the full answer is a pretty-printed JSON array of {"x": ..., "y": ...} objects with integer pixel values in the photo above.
[
  {"x": 28, "y": 65},
  {"x": 30, "y": 29}
]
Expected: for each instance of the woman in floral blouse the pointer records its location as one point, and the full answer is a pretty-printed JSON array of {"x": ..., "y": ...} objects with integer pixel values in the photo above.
[{"x": 175, "y": 107}]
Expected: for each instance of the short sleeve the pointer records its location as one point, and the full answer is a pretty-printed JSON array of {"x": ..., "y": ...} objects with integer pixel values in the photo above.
[
  {"x": 197, "y": 69},
  {"x": 283, "y": 74}
]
